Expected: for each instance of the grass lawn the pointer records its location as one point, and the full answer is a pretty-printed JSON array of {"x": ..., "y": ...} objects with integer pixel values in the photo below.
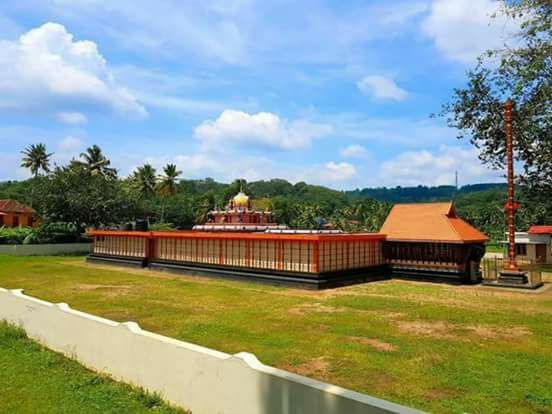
[
  {"x": 36, "y": 380},
  {"x": 434, "y": 347},
  {"x": 494, "y": 248}
]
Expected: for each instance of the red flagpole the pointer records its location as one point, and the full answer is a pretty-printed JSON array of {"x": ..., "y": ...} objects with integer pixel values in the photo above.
[{"x": 511, "y": 206}]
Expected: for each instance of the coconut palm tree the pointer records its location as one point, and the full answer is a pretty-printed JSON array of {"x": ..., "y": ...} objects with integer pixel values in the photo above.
[
  {"x": 167, "y": 185},
  {"x": 96, "y": 163},
  {"x": 145, "y": 181},
  {"x": 35, "y": 158}
]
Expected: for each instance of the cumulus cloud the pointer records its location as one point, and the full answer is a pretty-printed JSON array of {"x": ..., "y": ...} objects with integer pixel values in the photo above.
[
  {"x": 463, "y": 29},
  {"x": 354, "y": 151},
  {"x": 337, "y": 172},
  {"x": 262, "y": 128},
  {"x": 47, "y": 68},
  {"x": 436, "y": 168},
  {"x": 381, "y": 87},
  {"x": 70, "y": 143},
  {"x": 72, "y": 118}
]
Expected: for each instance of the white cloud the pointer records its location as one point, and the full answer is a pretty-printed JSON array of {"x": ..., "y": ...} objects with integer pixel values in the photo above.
[
  {"x": 354, "y": 151},
  {"x": 47, "y": 69},
  {"x": 436, "y": 168},
  {"x": 463, "y": 29},
  {"x": 337, "y": 172},
  {"x": 381, "y": 87},
  {"x": 263, "y": 128},
  {"x": 70, "y": 143},
  {"x": 73, "y": 118}
]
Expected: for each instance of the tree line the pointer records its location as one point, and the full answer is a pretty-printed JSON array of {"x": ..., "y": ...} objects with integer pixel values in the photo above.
[{"x": 88, "y": 192}]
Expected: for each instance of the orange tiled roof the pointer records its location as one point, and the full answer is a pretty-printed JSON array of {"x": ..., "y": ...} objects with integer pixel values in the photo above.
[
  {"x": 13, "y": 206},
  {"x": 429, "y": 222}
]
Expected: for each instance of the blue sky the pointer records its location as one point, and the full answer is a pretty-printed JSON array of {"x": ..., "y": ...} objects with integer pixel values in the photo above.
[{"x": 337, "y": 93}]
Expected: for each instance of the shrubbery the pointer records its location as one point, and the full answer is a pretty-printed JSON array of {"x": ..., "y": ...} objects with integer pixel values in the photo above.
[
  {"x": 162, "y": 227},
  {"x": 14, "y": 235},
  {"x": 44, "y": 234}
]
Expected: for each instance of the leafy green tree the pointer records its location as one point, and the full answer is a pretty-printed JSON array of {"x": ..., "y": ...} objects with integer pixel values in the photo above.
[
  {"x": 308, "y": 216},
  {"x": 36, "y": 158},
  {"x": 522, "y": 71},
  {"x": 283, "y": 209},
  {"x": 96, "y": 163},
  {"x": 72, "y": 195}
]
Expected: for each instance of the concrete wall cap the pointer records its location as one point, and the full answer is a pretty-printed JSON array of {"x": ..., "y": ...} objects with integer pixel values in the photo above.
[{"x": 132, "y": 327}]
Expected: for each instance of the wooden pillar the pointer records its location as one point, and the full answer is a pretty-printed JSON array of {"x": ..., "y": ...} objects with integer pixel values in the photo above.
[{"x": 316, "y": 256}]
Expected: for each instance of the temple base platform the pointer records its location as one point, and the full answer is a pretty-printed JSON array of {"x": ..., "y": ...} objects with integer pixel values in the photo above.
[
  {"x": 513, "y": 279},
  {"x": 432, "y": 275},
  {"x": 298, "y": 280},
  {"x": 117, "y": 260}
]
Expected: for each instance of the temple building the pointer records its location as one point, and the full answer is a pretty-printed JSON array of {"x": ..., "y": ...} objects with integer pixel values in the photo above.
[
  {"x": 419, "y": 241},
  {"x": 239, "y": 215},
  {"x": 428, "y": 240}
]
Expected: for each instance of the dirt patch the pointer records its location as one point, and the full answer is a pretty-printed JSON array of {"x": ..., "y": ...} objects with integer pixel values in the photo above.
[
  {"x": 315, "y": 308},
  {"x": 315, "y": 367},
  {"x": 374, "y": 343},
  {"x": 86, "y": 286},
  {"x": 495, "y": 332},
  {"x": 108, "y": 290},
  {"x": 431, "y": 329},
  {"x": 442, "y": 393},
  {"x": 444, "y": 330}
]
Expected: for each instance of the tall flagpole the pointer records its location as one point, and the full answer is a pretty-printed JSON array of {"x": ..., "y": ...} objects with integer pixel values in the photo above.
[{"x": 511, "y": 206}]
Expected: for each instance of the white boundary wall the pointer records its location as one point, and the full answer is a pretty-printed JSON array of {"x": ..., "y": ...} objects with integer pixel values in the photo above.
[
  {"x": 200, "y": 379},
  {"x": 44, "y": 249}
]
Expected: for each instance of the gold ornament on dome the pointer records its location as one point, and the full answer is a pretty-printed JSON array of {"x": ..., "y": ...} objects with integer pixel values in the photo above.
[{"x": 241, "y": 199}]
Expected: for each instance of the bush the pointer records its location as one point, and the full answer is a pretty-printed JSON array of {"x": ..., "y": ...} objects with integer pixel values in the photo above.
[
  {"x": 54, "y": 233},
  {"x": 14, "y": 235},
  {"x": 162, "y": 227}
]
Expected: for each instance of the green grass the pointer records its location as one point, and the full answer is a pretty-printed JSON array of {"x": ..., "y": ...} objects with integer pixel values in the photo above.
[
  {"x": 435, "y": 347},
  {"x": 37, "y": 380},
  {"x": 494, "y": 248}
]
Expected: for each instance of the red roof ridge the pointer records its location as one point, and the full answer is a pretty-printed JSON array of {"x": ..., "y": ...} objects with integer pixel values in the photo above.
[{"x": 540, "y": 229}]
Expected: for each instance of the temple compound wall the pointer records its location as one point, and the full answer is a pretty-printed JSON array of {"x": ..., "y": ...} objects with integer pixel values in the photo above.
[
  {"x": 202, "y": 380},
  {"x": 308, "y": 260}
]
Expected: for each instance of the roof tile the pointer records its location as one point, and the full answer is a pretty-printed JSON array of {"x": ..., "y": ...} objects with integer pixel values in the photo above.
[
  {"x": 429, "y": 222},
  {"x": 14, "y": 206}
]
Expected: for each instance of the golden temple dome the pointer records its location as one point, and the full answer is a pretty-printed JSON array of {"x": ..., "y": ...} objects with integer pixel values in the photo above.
[{"x": 241, "y": 199}]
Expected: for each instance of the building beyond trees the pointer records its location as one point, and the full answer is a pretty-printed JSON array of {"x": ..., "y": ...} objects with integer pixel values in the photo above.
[{"x": 15, "y": 214}]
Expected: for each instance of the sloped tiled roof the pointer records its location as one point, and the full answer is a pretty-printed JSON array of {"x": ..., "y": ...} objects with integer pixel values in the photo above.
[
  {"x": 429, "y": 222},
  {"x": 14, "y": 206},
  {"x": 540, "y": 230}
]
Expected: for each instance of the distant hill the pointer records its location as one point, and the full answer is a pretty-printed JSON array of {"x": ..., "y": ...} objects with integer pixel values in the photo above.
[
  {"x": 300, "y": 191},
  {"x": 420, "y": 193}
]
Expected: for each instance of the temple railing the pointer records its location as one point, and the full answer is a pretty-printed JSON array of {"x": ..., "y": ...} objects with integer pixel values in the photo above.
[{"x": 294, "y": 253}]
